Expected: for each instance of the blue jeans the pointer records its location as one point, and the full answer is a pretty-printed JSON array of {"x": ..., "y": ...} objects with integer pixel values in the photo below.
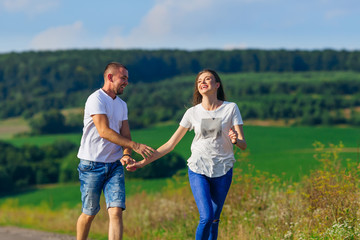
[
  {"x": 209, "y": 194},
  {"x": 96, "y": 177}
]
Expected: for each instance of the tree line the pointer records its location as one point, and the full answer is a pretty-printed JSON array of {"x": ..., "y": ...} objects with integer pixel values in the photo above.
[
  {"x": 305, "y": 98},
  {"x": 31, "y": 82},
  {"x": 308, "y": 98},
  {"x": 24, "y": 166},
  {"x": 28, "y": 165}
]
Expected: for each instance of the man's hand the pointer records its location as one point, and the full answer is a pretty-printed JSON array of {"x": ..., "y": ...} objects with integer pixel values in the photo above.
[
  {"x": 143, "y": 150},
  {"x": 127, "y": 160}
]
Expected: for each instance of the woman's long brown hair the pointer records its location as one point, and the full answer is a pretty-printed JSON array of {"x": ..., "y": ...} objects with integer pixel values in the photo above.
[{"x": 197, "y": 97}]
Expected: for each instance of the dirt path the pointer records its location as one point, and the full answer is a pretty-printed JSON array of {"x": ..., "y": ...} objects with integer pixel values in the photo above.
[{"x": 15, "y": 233}]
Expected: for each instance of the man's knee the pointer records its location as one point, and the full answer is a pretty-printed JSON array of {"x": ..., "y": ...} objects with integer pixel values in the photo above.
[
  {"x": 115, "y": 212},
  {"x": 86, "y": 218}
]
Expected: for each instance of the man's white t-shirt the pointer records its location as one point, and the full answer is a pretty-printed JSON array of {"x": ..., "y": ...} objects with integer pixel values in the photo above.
[
  {"x": 92, "y": 146},
  {"x": 212, "y": 152}
]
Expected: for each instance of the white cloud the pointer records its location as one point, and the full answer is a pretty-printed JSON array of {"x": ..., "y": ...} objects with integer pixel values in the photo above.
[
  {"x": 181, "y": 24},
  {"x": 62, "y": 37},
  {"x": 163, "y": 25},
  {"x": 29, "y": 7},
  {"x": 235, "y": 46}
]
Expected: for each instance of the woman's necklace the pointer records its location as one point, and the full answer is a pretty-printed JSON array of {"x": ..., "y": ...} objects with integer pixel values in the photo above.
[
  {"x": 213, "y": 117},
  {"x": 214, "y": 111},
  {"x": 217, "y": 105}
]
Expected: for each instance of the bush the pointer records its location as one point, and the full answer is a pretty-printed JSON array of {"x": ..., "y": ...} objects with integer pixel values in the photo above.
[
  {"x": 48, "y": 122},
  {"x": 68, "y": 168},
  {"x": 24, "y": 166},
  {"x": 331, "y": 192},
  {"x": 5, "y": 181}
]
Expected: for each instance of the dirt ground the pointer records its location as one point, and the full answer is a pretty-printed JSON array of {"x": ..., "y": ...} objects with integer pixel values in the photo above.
[{"x": 15, "y": 233}]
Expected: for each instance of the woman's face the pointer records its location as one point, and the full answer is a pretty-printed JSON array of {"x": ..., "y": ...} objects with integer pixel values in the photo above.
[{"x": 206, "y": 83}]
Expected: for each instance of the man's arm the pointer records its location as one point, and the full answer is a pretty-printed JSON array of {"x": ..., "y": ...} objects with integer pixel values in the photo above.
[
  {"x": 102, "y": 125},
  {"x": 125, "y": 132}
]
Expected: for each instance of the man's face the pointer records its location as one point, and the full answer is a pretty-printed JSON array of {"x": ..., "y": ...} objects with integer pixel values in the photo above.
[{"x": 120, "y": 80}]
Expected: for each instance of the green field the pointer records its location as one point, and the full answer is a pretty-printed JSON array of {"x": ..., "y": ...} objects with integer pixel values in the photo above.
[
  {"x": 284, "y": 151},
  {"x": 289, "y": 150},
  {"x": 49, "y": 195}
]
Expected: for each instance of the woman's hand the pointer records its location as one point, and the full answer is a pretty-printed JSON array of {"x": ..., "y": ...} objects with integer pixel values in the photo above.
[
  {"x": 233, "y": 136},
  {"x": 135, "y": 165},
  {"x": 143, "y": 150}
]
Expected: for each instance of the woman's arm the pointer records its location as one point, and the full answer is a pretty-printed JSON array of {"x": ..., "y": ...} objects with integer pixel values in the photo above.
[
  {"x": 237, "y": 137},
  {"x": 163, "y": 150}
]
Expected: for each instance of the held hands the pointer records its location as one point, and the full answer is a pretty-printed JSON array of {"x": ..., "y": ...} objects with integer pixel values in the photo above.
[
  {"x": 127, "y": 159},
  {"x": 145, "y": 151},
  {"x": 135, "y": 165},
  {"x": 131, "y": 164},
  {"x": 233, "y": 136}
]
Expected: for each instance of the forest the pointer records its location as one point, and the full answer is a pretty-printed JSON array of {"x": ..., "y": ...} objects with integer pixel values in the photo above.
[{"x": 33, "y": 82}]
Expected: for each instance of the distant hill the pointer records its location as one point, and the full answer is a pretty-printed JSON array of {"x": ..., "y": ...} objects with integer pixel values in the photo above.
[{"x": 31, "y": 82}]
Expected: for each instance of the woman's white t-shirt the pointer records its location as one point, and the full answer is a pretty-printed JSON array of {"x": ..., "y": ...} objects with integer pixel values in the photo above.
[
  {"x": 92, "y": 146},
  {"x": 211, "y": 150}
]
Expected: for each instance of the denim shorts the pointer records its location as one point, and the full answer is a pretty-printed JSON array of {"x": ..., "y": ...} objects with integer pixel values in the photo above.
[{"x": 96, "y": 177}]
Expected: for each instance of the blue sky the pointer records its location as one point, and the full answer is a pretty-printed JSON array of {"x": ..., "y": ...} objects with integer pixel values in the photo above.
[{"x": 179, "y": 24}]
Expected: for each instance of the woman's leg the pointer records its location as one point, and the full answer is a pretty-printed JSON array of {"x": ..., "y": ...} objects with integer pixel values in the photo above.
[
  {"x": 201, "y": 190},
  {"x": 219, "y": 187}
]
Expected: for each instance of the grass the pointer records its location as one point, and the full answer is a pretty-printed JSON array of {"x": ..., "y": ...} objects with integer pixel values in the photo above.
[
  {"x": 44, "y": 139},
  {"x": 52, "y": 195},
  {"x": 11, "y": 126},
  {"x": 289, "y": 150},
  {"x": 259, "y": 205},
  {"x": 284, "y": 151}
]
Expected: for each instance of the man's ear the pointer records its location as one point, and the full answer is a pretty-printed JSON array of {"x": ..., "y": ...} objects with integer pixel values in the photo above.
[{"x": 109, "y": 77}]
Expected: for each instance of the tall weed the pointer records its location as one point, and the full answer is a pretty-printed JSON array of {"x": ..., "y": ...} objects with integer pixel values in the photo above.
[{"x": 323, "y": 205}]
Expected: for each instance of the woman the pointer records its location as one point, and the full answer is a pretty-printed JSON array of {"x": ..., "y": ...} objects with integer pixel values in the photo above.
[{"x": 218, "y": 126}]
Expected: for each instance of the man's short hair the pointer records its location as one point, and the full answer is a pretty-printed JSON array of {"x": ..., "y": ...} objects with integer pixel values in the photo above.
[{"x": 112, "y": 66}]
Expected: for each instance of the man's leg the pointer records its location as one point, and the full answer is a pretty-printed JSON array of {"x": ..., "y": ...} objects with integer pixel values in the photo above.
[
  {"x": 91, "y": 183},
  {"x": 83, "y": 226},
  {"x": 116, "y": 223},
  {"x": 114, "y": 191}
]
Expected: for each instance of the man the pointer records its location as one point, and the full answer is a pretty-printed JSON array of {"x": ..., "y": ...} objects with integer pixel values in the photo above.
[{"x": 105, "y": 147}]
